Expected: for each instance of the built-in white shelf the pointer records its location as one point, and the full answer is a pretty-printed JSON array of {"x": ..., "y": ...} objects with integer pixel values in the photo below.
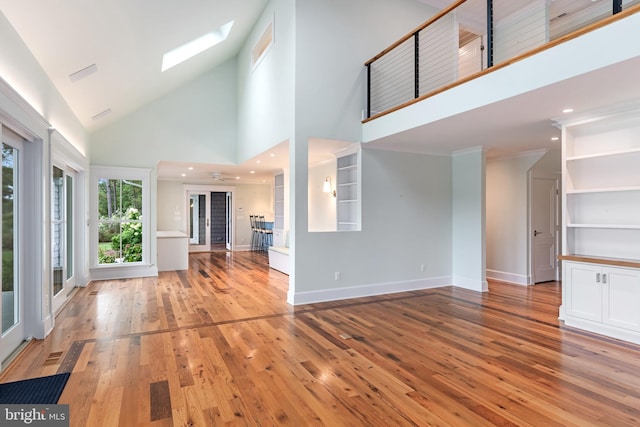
[
  {"x": 604, "y": 154},
  {"x": 606, "y": 226},
  {"x": 603, "y": 190}
]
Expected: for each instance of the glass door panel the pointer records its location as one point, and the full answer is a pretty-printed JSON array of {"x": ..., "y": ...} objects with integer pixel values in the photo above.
[
  {"x": 62, "y": 250},
  {"x": 12, "y": 330},
  {"x": 199, "y": 222}
]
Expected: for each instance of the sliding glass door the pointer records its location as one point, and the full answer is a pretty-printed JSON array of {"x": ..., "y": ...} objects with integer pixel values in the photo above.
[{"x": 12, "y": 296}]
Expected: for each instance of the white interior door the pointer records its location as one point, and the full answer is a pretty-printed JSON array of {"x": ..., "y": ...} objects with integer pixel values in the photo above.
[
  {"x": 544, "y": 224},
  {"x": 62, "y": 230},
  {"x": 199, "y": 221},
  {"x": 12, "y": 332}
]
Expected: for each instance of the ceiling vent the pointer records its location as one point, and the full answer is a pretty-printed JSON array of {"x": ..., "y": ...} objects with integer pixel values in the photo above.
[{"x": 81, "y": 74}]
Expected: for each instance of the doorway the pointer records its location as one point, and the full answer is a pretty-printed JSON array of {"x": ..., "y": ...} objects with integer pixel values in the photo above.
[
  {"x": 210, "y": 219},
  {"x": 544, "y": 227}
]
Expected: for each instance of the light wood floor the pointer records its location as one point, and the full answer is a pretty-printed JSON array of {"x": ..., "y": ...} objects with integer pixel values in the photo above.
[{"x": 218, "y": 345}]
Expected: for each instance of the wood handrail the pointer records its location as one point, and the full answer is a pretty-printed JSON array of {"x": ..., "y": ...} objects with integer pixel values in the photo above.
[
  {"x": 430, "y": 21},
  {"x": 577, "y": 33}
]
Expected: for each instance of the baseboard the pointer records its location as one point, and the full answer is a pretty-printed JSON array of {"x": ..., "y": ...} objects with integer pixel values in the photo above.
[
  {"x": 471, "y": 284},
  {"x": 603, "y": 329},
  {"x": 503, "y": 276},
  {"x": 123, "y": 272},
  {"x": 335, "y": 294}
]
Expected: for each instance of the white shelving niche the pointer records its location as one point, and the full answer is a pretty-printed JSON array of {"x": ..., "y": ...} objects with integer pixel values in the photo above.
[
  {"x": 601, "y": 224},
  {"x": 347, "y": 193}
]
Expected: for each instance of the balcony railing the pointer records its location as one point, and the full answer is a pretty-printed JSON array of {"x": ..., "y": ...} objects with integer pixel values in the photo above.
[{"x": 466, "y": 39}]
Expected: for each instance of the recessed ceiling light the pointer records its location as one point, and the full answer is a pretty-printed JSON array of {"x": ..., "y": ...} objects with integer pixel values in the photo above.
[
  {"x": 190, "y": 168},
  {"x": 81, "y": 74},
  {"x": 237, "y": 177},
  {"x": 555, "y": 138},
  {"x": 272, "y": 155},
  {"x": 194, "y": 47},
  {"x": 258, "y": 161},
  {"x": 252, "y": 171},
  {"x": 184, "y": 174},
  {"x": 102, "y": 114},
  {"x": 568, "y": 110}
]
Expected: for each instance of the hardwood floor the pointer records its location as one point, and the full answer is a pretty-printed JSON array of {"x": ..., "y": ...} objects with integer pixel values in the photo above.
[{"x": 218, "y": 345}]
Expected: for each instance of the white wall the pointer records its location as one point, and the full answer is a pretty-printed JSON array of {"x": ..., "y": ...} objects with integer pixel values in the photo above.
[
  {"x": 265, "y": 92},
  {"x": 468, "y": 206},
  {"x": 249, "y": 199},
  {"x": 195, "y": 123},
  {"x": 507, "y": 212},
  {"x": 24, "y": 74},
  {"x": 333, "y": 40},
  {"x": 322, "y": 206},
  {"x": 405, "y": 242}
]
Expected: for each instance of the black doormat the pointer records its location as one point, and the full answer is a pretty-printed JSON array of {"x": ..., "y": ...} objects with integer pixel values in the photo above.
[{"x": 36, "y": 391}]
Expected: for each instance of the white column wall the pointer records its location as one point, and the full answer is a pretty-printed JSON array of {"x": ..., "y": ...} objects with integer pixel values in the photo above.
[{"x": 468, "y": 258}]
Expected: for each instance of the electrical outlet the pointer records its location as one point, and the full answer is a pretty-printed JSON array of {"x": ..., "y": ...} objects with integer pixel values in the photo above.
[{"x": 337, "y": 275}]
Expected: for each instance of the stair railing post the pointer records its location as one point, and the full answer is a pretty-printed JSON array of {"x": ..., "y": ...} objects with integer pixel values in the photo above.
[
  {"x": 416, "y": 64},
  {"x": 489, "y": 33}
]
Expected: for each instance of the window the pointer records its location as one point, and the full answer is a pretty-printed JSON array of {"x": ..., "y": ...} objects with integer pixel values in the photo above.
[
  {"x": 120, "y": 206},
  {"x": 262, "y": 45}
]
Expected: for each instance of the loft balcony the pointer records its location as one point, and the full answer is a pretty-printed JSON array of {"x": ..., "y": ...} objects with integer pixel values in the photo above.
[{"x": 518, "y": 60}]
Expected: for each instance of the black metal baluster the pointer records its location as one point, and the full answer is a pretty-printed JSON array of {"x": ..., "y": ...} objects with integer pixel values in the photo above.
[
  {"x": 416, "y": 64},
  {"x": 489, "y": 33},
  {"x": 617, "y": 6},
  {"x": 369, "y": 91}
]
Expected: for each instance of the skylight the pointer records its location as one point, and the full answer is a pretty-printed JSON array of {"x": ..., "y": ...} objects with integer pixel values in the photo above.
[{"x": 194, "y": 47}]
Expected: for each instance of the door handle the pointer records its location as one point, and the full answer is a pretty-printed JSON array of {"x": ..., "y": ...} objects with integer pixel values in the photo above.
[
  {"x": 536, "y": 232},
  {"x": 207, "y": 222}
]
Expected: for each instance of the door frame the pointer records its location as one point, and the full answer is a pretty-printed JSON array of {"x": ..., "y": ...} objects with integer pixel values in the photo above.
[
  {"x": 68, "y": 282},
  {"x": 198, "y": 188},
  {"x": 530, "y": 227}
]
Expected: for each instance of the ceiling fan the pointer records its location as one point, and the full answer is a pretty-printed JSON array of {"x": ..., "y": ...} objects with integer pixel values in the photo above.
[{"x": 219, "y": 177}]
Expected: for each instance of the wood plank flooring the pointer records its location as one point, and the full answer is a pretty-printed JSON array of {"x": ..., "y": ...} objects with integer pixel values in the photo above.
[{"x": 218, "y": 345}]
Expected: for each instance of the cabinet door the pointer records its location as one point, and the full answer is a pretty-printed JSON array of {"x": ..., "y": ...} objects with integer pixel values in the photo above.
[
  {"x": 621, "y": 293},
  {"x": 584, "y": 291}
]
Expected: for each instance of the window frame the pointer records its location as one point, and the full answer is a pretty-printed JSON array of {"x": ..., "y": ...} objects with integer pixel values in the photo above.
[{"x": 120, "y": 173}]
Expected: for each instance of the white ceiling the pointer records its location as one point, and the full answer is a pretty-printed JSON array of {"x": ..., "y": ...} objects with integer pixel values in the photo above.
[{"x": 126, "y": 39}]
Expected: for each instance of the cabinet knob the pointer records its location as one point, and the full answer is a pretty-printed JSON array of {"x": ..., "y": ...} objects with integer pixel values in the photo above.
[
  {"x": 536, "y": 232},
  {"x": 597, "y": 277},
  {"x": 604, "y": 278}
]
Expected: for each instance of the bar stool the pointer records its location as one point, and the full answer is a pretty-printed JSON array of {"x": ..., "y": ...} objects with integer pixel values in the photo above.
[
  {"x": 266, "y": 233},
  {"x": 255, "y": 232}
]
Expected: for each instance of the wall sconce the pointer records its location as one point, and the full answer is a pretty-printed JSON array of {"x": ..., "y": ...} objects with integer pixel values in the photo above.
[{"x": 326, "y": 187}]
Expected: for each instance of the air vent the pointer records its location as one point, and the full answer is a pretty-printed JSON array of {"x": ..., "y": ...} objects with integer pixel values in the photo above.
[
  {"x": 102, "y": 114},
  {"x": 81, "y": 74}
]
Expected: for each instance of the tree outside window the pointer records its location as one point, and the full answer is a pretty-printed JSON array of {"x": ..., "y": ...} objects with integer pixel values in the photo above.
[{"x": 119, "y": 221}]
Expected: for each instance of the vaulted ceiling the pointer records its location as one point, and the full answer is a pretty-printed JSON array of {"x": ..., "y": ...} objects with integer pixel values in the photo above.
[{"x": 125, "y": 40}]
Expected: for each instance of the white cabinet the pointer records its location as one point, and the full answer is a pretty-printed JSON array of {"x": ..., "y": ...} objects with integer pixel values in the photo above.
[
  {"x": 605, "y": 294},
  {"x": 583, "y": 291},
  {"x": 621, "y": 298},
  {"x": 601, "y": 224}
]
